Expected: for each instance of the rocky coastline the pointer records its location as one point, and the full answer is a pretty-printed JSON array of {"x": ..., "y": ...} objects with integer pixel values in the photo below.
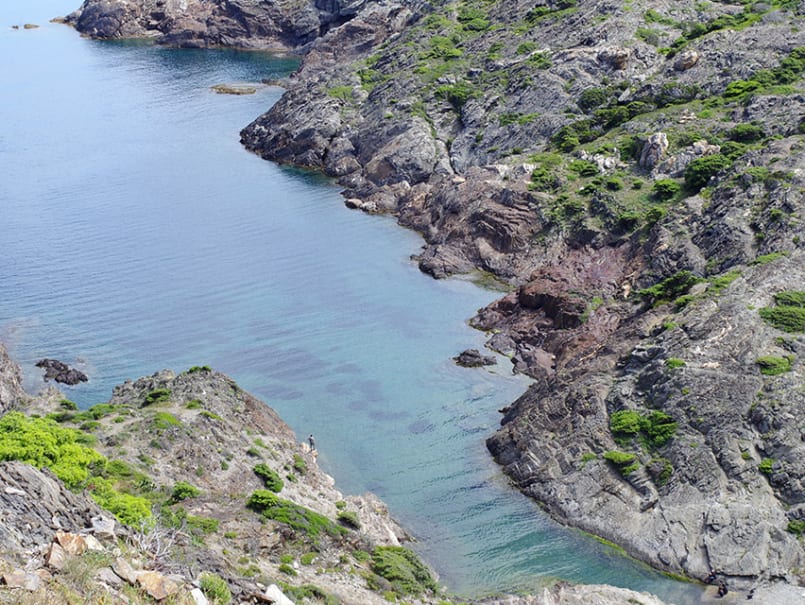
[
  {"x": 635, "y": 174},
  {"x": 180, "y": 454}
]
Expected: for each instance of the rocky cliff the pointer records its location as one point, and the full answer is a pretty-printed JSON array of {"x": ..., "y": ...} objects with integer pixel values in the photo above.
[
  {"x": 281, "y": 25},
  {"x": 11, "y": 392},
  {"x": 634, "y": 172}
]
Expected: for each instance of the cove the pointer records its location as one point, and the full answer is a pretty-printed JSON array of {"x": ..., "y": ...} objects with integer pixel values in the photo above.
[{"x": 137, "y": 234}]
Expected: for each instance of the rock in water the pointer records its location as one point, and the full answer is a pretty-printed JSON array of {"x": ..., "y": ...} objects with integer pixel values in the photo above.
[
  {"x": 61, "y": 372},
  {"x": 472, "y": 358}
]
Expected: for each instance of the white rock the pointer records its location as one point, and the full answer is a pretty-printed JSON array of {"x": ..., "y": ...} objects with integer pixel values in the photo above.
[{"x": 275, "y": 594}]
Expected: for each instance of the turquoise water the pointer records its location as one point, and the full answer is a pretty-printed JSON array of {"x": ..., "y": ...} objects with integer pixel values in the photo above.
[{"x": 137, "y": 234}]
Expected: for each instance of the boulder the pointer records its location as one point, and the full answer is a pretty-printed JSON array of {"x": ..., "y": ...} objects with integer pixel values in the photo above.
[{"x": 472, "y": 358}]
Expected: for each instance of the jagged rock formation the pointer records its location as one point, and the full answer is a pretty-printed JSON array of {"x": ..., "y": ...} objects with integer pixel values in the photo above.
[
  {"x": 11, "y": 392},
  {"x": 281, "y": 25}
]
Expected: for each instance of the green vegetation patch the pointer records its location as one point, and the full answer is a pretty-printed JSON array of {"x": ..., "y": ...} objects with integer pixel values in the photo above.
[
  {"x": 654, "y": 429},
  {"x": 215, "y": 588},
  {"x": 271, "y": 479},
  {"x": 157, "y": 396},
  {"x": 302, "y": 519},
  {"x": 403, "y": 569},
  {"x": 625, "y": 462},
  {"x": 773, "y": 366},
  {"x": 796, "y": 527},
  {"x": 349, "y": 518},
  {"x": 670, "y": 288},
  {"x": 788, "y": 314},
  {"x": 183, "y": 490},
  {"x": 41, "y": 442},
  {"x": 164, "y": 420}
]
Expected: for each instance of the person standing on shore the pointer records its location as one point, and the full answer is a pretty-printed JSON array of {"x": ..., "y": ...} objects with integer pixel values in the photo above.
[{"x": 312, "y": 442}]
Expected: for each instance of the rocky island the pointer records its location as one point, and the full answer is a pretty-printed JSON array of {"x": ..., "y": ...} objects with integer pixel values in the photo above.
[{"x": 634, "y": 172}]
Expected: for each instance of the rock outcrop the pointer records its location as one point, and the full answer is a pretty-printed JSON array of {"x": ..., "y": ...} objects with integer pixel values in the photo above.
[
  {"x": 252, "y": 24},
  {"x": 11, "y": 392},
  {"x": 61, "y": 372}
]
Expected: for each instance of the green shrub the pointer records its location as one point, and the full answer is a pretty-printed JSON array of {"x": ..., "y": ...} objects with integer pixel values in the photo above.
[
  {"x": 747, "y": 133},
  {"x": 287, "y": 569},
  {"x": 215, "y": 588},
  {"x": 41, "y": 442},
  {"x": 299, "y": 464},
  {"x": 195, "y": 369},
  {"x": 456, "y": 94},
  {"x": 308, "y": 558},
  {"x": 626, "y": 463},
  {"x": 674, "y": 363},
  {"x": 659, "y": 427},
  {"x": 583, "y": 167},
  {"x": 210, "y": 415},
  {"x": 699, "y": 172},
  {"x": 670, "y": 288},
  {"x": 205, "y": 525},
  {"x": 66, "y": 404},
  {"x": 157, "y": 396},
  {"x": 193, "y": 404},
  {"x": 665, "y": 189},
  {"x": 766, "y": 465},
  {"x": 403, "y": 569},
  {"x": 342, "y": 93},
  {"x": 183, "y": 490},
  {"x": 789, "y": 314},
  {"x": 270, "y": 478},
  {"x": 796, "y": 527},
  {"x": 349, "y": 518},
  {"x": 772, "y": 366},
  {"x": 164, "y": 420},
  {"x": 129, "y": 509},
  {"x": 540, "y": 61},
  {"x": 790, "y": 298},
  {"x": 297, "y": 517},
  {"x": 625, "y": 422}
]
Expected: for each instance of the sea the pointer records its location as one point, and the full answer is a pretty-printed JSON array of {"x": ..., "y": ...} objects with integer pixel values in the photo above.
[{"x": 137, "y": 234}]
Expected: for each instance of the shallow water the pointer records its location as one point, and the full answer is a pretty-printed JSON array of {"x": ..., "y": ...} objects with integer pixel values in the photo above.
[{"x": 137, "y": 234}]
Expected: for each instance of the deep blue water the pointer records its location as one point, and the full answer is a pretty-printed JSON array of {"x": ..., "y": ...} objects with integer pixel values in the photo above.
[{"x": 136, "y": 234}]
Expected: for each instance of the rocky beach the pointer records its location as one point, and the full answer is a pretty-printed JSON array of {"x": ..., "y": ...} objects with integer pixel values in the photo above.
[{"x": 633, "y": 174}]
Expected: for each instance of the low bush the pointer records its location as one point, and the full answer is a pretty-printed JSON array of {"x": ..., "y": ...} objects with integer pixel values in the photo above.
[
  {"x": 773, "y": 366},
  {"x": 215, "y": 588},
  {"x": 271, "y": 479},
  {"x": 349, "y": 518},
  {"x": 183, "y": 490},
  {"x": 403, "y": 569},
  {"x": 699, "y": 172},
  {"x": 157, "y": 396},
  {"x": 302, "y": 519},
  {"x": 670, "y": 288}
]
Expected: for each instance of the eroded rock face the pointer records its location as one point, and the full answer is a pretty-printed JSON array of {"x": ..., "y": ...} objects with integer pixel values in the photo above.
[
  {"x": 284, "y": 24},
  {"x": 34, "y": 505},
  {"x": 11, "y": 393}
]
